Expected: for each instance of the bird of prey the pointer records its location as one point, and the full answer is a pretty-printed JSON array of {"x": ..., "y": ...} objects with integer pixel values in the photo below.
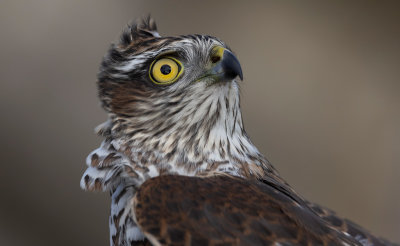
[{"x": 176, "y": 158}]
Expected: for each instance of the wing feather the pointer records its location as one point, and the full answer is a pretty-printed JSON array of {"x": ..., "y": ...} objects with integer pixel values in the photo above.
[{"x": 223, "y": 210}]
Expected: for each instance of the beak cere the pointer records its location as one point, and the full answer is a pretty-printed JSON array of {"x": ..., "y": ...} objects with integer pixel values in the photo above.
[{"x": 227, "y": 66}]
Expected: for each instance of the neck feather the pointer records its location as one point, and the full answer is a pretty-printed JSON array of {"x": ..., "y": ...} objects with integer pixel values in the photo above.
[{"x": 190, "y": 131}]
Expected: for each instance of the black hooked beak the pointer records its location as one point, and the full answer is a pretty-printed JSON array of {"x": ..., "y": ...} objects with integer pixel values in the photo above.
[{"x": 226, "y": 65}]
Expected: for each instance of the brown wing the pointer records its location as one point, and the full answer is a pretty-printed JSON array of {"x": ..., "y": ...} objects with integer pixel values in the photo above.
[{"x": 222, "y": 210}]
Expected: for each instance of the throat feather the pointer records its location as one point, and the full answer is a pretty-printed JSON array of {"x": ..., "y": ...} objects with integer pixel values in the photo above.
[{"x": 193, "y": 128}]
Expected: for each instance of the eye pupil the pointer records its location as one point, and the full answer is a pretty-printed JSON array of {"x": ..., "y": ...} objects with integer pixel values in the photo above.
[{"x": 165, "y": 69}]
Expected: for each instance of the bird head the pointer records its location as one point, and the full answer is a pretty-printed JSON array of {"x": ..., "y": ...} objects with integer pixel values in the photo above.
[
  {"x": 173, "y": 94},
  {"x": 145, "y": 70}
]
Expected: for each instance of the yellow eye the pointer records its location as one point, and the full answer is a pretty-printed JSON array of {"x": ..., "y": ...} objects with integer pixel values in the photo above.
[{"x": 165, "y": 70}]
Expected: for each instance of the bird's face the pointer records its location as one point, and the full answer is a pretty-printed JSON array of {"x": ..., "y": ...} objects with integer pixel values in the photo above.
[
  {"x": 147, "y": 74},
  {"x": 194, "y": 59}
]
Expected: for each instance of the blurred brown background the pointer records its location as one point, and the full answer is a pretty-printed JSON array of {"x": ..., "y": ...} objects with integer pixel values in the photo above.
[{"x": 321, "y": 99}]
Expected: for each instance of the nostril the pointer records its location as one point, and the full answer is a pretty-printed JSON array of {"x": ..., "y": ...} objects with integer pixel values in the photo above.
[{"x": 215, "y": 59}]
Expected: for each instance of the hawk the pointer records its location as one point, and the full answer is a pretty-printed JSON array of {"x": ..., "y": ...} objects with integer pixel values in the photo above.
[{"x": 176, "y": 158}]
